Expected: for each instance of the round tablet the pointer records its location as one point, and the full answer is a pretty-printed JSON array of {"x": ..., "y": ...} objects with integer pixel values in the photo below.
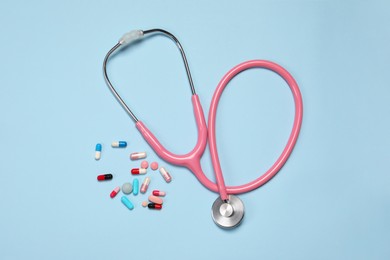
[
  {"x": 144, "y": 164},
  {"x": 154, "y": 166},
  {"x": 144, "y": 204},
  {"x": 127, "y": 188}
]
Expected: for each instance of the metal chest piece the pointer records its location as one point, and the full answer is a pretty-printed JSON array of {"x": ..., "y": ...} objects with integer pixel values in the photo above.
[{"x": 228, "y": 214}]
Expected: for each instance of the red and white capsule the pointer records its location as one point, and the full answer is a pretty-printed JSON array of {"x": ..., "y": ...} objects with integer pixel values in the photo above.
[
  {"x": 145, "y": 185},
  {"x": 138, "y": 155},
  {"x": 115, "y": 192},
  {"x": 159, "y": 193},
  {"x": 136, "y": 171},
  {"x": 167, "y": 177}
]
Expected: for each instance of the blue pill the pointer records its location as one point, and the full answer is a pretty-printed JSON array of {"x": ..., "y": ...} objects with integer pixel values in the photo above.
[
  {"x": 127, "y": 202},
  {"x": 135, "y": 187},
  {"x": 98, "y": 148},
  {"x": 121, "y": 144}
]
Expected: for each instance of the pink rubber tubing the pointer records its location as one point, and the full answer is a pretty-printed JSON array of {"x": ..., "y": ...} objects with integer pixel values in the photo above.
[{"x": 191, "y": 160}]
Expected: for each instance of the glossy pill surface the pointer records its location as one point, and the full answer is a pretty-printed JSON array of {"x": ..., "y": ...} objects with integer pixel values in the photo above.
[
  {"x": 127, "y": 188},
  {"x": 115, "y": 192},
  {"x": 155, "y": 199},
  {"x": 154, "y": 166},
  {"x": 127, "y": 202},
  {"x": 158, "y": 193},
  {"x": 98, "y": 151},
  {"x": 137, "y": 171},
  {"x": 154, "y": 206},
  {"x": 104, "y": 177},
  {"x": 119, "y": 144},
  {"x": 144, "y": 164},
  {"x": 138, "y": 155},
  {"x": 167, "y": 177},
  {"x": 135, "y": 187},
  {"x": 145, "y": 185}
]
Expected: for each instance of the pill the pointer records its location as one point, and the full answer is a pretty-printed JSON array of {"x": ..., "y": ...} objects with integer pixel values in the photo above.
[
  {"x": 144, "y": 164},
  {"x": 136, "y": 156},
  {"x": 104, "y": 177},
  {"x": 154, "y": 206},
  {"x": 127, "y": 188},
  {"x": 144, "y": 204},
  {"x": 158, "y": 193},
  {"x": 127, "y": 202},
  {"x": 98, "y": 151},
  {"x": 154, "y": 166},
  {"x": 155, "y": 199},
  {"x": 121, "y": 144},
  {"x": 115, "y": 192},
  {"x": 137, "y": 171},
  {"x": 135, "y": 187},
  {"x": 145, "y": 185},
  {"x": 167, "y": 177}
]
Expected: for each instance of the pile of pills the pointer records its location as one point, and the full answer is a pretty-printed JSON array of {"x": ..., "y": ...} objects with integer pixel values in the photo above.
[{"x": 155, "y": 200}]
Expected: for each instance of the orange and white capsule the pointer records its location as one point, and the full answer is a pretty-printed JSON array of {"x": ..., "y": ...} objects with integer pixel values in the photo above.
[
  {"x": 145, "y": 185},
  {"x": 167, "y": 177},
  {"x": 139, "y": 155},
  {"x": 158, "y": 193}
]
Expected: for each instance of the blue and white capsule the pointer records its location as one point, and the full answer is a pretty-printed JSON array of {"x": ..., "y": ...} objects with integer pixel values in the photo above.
[
  {"x": 119, "y": 144},
  {"x": 127, "y": 203},
  {"x": 135, "y": 187},
  {"x": 98, "y": 152}
]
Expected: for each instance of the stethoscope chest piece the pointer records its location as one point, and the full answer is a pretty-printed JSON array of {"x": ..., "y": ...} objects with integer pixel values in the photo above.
[{"x": 228, "y": 214}]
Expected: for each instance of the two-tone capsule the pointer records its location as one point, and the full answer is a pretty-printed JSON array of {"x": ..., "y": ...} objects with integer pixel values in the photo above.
[
  {"x": 165, "y": 174},
  {"x": 119, "y": 144},
  {"x": 159, "y": 193},
  {"x": 138, "y": 155},
  {"x": 127, "y": 202},
  {"x": 145, "y": 185},
  {"x": 154, "y": 206},
  {"x": 136, "y": 171},
  {"x": 104, "y": 177},
  {"x": 98, "y": 151},
  {"x": 115, "y": 192}
]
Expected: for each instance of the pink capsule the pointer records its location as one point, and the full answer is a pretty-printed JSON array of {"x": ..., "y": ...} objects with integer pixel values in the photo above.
[
  {"x": 145, "y": 185},
  {"x": 154, "y": 166},
  {"x": 167, "y": 177},
  {"x": 136, "y": 156},
  {"x": 115, "y": 192},
  {"x": 144, "y": 164},
  {"x": 158, "y": 193},
  {"x": 155, "y": 199}
]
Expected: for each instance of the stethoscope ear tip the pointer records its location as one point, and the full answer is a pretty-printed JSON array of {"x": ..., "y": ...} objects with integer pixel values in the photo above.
[{"x": 228, "y": 215}]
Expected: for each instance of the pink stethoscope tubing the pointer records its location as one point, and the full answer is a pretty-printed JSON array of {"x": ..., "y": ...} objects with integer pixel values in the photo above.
[{"x": 191, "y": 160}]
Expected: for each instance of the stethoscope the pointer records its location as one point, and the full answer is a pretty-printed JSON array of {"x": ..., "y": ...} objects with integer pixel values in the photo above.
[{"x": 228, "y": 209}]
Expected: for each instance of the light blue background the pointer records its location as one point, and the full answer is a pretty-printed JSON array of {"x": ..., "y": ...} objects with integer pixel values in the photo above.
[{"x": 330, "y": 201}]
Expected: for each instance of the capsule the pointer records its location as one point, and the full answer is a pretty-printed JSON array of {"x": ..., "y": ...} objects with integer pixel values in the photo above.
[
  {"x": 119, "y": 144},
  {"x": 145, "y": 185},
  {"x": 167, "y": 177},
  {"x": 158, "y": 193},
  {"x": 115, "y": 192},
  {"x": 155, "y": 199},
  {"x": 104, "y": 177},
  {"x": 137, "y": 171},
  {"x": 98, "y": 151},
  {"x": 136, "y": 156},
  {"x": 127, "y": 202},
  {"x": 135, "y": 187},
  {"x": 154, "y": 206}
]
